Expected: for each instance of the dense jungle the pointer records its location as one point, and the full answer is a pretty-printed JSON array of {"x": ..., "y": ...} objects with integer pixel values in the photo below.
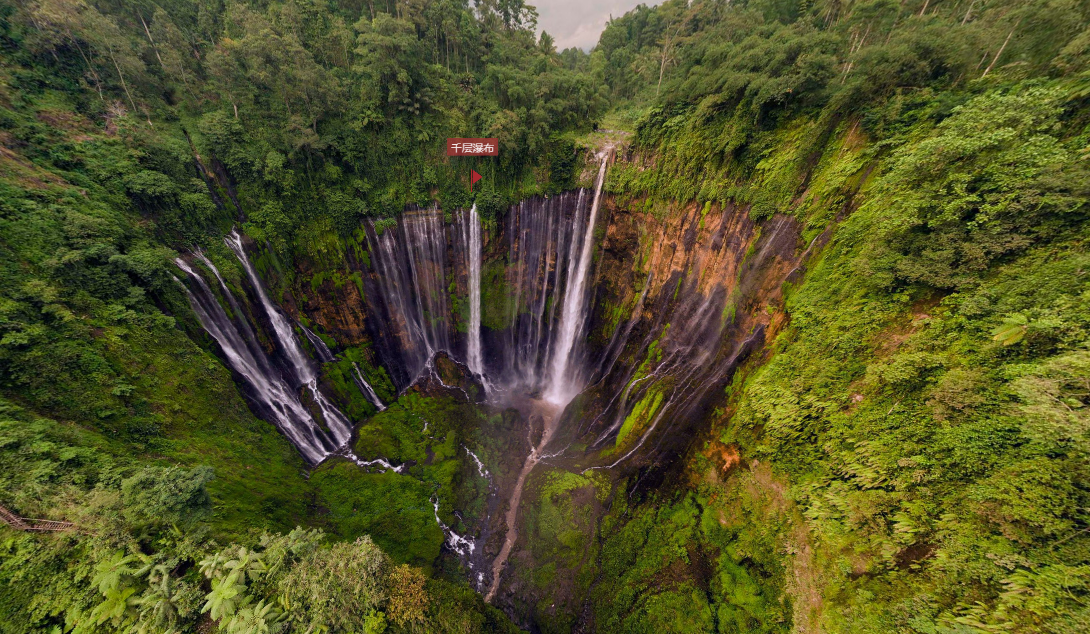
[{"x": 770, "y": 316}]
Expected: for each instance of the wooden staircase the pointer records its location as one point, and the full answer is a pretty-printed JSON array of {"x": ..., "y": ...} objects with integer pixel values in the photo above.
[{"x": 30, "y": 524}]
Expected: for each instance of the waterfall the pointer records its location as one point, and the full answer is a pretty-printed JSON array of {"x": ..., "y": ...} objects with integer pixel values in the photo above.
[
  {"x": 564, "y": 380},
  {"x": 565, "y": 376},
  {"x": 381, "y": 462},
  {"x": 269, "y": 388},
  {"x": 326, "y": 356},
  {"x": 323, "y": 351},
  {"x": 691, "y": 344},
  {"x": 473, "y": 247},
  {"x": 459, "y": 544},
  {"x": 539, "y": 234},
  {"x": 545, "y": 293},
  {"x": 366, "y": 388},
  {"x": 410, "y": 265},
  {"x": 279, "y": 322},
  {"x": 480, "y": 465},
  {"x": 299, "y": 364}
]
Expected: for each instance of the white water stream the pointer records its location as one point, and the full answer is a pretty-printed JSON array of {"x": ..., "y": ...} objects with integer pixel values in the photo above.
[
  {"x": 269, "y": 387},
  {"x": 563, "y": 382},
  {"x": 324, "y": 353},
  {"x": 473, "y": 340},
  {"x": 552, "y": 251},
  {"x": 285, "y": 337},
  {"x": 366, "y": 388}
]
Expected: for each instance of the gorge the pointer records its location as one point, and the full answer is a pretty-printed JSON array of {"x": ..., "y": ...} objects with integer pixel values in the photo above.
[
  {"x": 768, "y": 316},
  {"x": 608, "y": 332}
]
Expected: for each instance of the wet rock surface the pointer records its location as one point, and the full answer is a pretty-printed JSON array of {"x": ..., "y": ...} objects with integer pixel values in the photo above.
[
  {"x": 447, "y": 377},
  {"x": 670, "y": 302}
]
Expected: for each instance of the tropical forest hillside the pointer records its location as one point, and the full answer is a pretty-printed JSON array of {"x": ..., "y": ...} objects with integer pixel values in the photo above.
[{"x": 821, "y": 267}]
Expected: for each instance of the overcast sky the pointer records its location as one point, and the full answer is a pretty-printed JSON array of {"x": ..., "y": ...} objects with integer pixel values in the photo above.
[{"x": 579, "y": 22}]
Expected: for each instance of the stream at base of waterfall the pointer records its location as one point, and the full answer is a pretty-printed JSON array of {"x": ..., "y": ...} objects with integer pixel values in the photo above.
[
  {"x": 563, "y": 384},
  {"x": 274, "y": 383},
  {"x": 551, "y": 244}
]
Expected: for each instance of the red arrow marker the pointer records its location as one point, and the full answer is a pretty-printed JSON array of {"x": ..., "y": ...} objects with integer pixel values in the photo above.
[{"x": 473, "y": 178}]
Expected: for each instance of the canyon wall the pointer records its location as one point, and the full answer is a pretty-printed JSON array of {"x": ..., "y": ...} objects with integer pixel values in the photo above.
[
  {"x": 676, "y": 300},
  {"x": 671, "y": 300}
]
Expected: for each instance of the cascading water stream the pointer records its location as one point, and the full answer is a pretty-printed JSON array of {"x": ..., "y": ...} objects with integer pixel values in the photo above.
[
  {"x": 473, "y": 243},
  {"x": 464, "y": 546},
  {"x": 564, "y": 380},
  {"x": 480, "y": 465},
  {"x": 545, "y": 294},
  {"x": 410, "y": 266},
  {"x": 278, "y": 400},
  {"x": 285, "y": 336},
  {"x": 366, "y": 388},
  {"x": 325, "y": 355},
  {"x": 273, "y": 393},
  {"x": 691, "y": 360},
  {"x": 425, "y": 242},
  {"x": 276, "y": 391},
  {"x": 539, "y": 233}
]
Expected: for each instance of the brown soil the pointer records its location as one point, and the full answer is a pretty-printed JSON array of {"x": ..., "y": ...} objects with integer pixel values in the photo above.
[{"x": 547, "y": 413}]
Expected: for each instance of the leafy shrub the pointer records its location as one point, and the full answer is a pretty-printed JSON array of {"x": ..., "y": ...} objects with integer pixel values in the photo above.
[{"x": 169, "y": 496}]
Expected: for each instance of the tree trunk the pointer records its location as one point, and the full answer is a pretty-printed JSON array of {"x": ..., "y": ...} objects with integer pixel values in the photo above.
[
  {"x": 153, "y": 47},
  {"x": 90, "y": 67},
  {"x": 666, "y": 54},
  {"x": 662, "y": 69},
  {"x": 124, "y": 85},
  {"x": 967, "y": 12},
  {"x": 1001, "y": 48}
]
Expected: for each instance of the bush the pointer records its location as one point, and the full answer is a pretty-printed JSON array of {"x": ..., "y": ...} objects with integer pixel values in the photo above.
[
  {"x": 490, "y": 204},
  {"x": 167, "y": 496}
]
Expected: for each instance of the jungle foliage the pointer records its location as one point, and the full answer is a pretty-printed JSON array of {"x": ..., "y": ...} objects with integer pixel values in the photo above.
[
  {"x": 913, "y": 449},
  {"x": 145, "y": 558},
  {"x": 306, "y": 109},
  {"x": 910, "y": 457}
]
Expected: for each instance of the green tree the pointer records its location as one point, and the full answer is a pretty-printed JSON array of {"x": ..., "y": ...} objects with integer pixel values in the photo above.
[{"x": 170, "y": 496}]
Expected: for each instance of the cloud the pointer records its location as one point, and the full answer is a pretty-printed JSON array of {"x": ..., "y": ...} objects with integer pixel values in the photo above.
[{"x": 579, "y": 23}]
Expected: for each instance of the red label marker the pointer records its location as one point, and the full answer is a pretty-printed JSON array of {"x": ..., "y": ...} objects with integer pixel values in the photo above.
[
  {"x": 473, "y": 147},
  {"x": 473, "y": 178}
]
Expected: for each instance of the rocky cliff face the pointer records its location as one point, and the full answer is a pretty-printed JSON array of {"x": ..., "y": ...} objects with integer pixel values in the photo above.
[
  {"x": 681, "y": 299},
  {"x": 335, "y": 303},
  {"x": 678, "y": 297}
]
